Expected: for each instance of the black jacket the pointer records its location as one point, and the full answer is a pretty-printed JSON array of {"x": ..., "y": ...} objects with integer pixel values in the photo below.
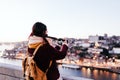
[{"x": 44, "y": 55}]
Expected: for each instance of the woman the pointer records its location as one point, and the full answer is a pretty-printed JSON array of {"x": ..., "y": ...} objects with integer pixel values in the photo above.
[{"x": 46, "y": 52}]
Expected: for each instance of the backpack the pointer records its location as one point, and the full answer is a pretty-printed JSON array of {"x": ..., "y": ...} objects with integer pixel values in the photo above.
[{"x": 30, "y": 69}]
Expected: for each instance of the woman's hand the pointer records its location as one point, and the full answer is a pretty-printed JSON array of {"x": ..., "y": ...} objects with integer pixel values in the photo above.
[{"x": 65, "y": 42}]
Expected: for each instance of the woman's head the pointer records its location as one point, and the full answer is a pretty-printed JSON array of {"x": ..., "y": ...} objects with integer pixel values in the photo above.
[{"x": 39, "y": 29}]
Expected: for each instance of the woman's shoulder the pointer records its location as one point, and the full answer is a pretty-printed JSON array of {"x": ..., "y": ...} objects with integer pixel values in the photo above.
[{"x": 46, "y": 45}]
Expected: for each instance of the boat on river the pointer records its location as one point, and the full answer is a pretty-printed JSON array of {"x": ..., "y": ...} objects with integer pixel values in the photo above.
[{"x": 73, "y": 66}]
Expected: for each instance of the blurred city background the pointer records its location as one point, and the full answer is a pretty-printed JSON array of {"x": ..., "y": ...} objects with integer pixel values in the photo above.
[{"x": 84, "y": 56}]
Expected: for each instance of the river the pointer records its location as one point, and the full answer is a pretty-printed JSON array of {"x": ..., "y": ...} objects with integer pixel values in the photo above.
[
  {"x": 83, "y": 72},
  {"x": 90, "y": 73}
]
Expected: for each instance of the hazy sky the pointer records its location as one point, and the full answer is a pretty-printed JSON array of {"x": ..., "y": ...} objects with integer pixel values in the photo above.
[{"x": 64, "y": 18}]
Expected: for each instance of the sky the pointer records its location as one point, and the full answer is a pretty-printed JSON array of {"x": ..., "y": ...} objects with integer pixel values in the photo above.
[{"x": 63, "y": 18}]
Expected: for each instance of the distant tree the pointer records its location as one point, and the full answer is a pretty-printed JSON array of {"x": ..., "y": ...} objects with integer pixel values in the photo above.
[
  {"x": 105, "y": 52},
  {"x": 118, "y": 56},
  {"x": 117, "y": 44},
  {"x": 92, "y": 44},
  {"x": 77, "y": 47}
]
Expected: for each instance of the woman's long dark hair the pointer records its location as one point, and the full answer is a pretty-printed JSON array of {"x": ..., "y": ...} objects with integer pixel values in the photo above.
[{"x": 39, "y": 29}]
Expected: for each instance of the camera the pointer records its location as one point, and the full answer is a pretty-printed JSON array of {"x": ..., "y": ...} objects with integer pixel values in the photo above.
[{"x": 59, "y": 41}]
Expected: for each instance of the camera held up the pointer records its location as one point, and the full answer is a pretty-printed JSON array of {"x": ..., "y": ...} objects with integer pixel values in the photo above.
[{"x": 59, "y": 41}]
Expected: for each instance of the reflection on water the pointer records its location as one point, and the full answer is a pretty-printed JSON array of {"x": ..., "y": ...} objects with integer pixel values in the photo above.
[{"x": 90, "y": 73}]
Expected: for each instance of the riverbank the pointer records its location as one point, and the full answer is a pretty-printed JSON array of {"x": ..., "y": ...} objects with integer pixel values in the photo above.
[{"x": 111, "y": 67}]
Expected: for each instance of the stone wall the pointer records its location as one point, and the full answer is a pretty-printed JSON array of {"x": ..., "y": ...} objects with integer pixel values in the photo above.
[
  {"x": 13, "y": 71},
  {"x": 10, "y": 72}
]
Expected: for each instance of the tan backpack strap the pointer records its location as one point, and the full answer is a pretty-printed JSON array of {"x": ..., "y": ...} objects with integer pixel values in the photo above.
[
  {"x": 35, "y": 53},
  {"x": 49, "y": 66},
  {"x": 36, "y": 50}
]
